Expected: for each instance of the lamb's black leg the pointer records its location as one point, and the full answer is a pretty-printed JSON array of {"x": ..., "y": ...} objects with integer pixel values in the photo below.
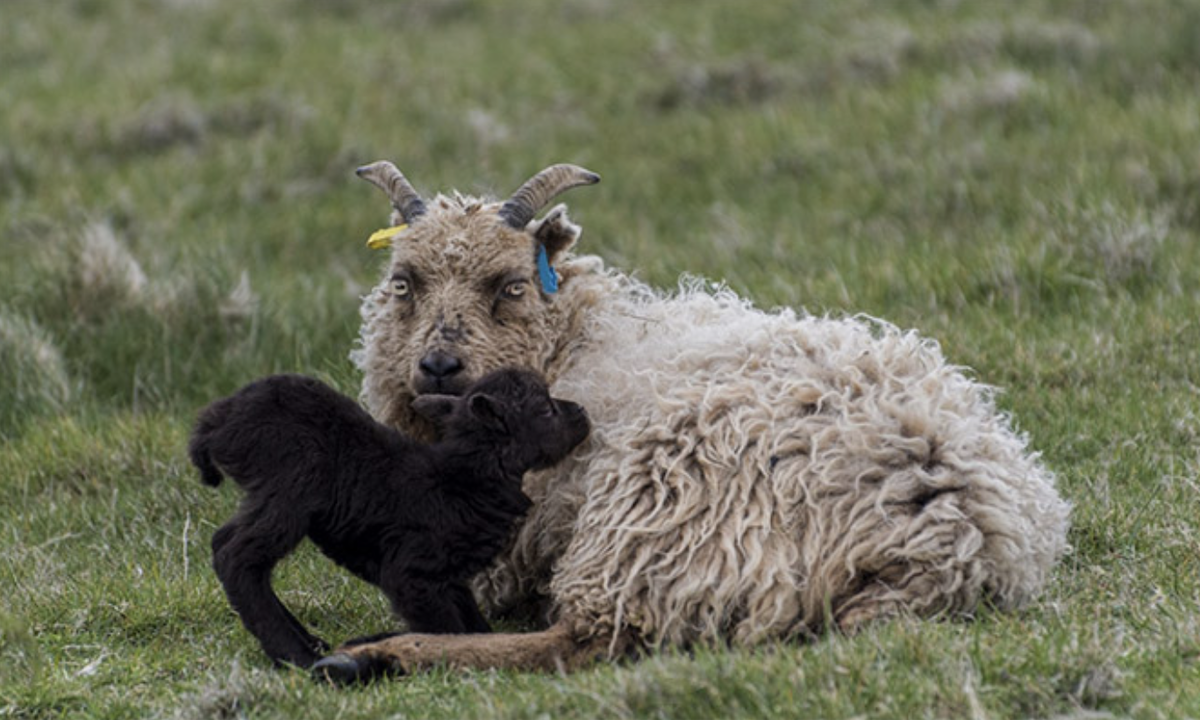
[
  {"x": 468, "y": 610},
  {"x": 427, "y": 606},
  {"x": 245, "y": 550},
  {"x": 459, "y": 598},
  {"x": 220, "y": 538},
  {"x": 312, "y": 641}
]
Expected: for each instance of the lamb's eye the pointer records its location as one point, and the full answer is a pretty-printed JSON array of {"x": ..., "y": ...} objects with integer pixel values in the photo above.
[
  {"x": 514, "y": 289},
  {"x": 401, "y": 288}
]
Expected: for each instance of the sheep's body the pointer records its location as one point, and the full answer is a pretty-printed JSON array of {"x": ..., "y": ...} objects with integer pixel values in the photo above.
[
  {"x": 751, "y": 475},
  {"x": 749, "y": 471}
]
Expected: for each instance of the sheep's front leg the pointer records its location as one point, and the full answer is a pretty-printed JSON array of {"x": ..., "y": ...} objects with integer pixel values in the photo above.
[{"x": 548, "y": 650}]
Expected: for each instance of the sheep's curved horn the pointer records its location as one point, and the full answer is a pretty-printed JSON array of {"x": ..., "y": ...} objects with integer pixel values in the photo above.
[
  {"x": 538, "y": 190},
  {"x": 389, "y": 179}
]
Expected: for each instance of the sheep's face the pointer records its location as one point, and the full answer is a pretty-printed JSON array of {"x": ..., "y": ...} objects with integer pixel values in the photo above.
[{"x": 461, "y": 298}]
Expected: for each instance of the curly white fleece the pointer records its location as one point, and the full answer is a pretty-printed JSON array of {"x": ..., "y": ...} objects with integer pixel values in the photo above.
[{"x": 755, "y": 475}]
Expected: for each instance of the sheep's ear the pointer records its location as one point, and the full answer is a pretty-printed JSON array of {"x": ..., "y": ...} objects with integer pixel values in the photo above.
[
  {"x": 555, "y": 232},
  {"x": 436, "y": 408},
  {"x": 486, "y": 409}
]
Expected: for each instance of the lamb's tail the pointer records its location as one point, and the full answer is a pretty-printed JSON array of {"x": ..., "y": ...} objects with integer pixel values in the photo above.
[{"x": 209, "y": 421}]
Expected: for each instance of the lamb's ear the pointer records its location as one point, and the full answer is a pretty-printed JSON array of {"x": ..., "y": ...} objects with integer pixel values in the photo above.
[
  {"x": 555, "y": 232},
  {"x": 486, "y": 409},
  {"x": 436, "y": 408}
]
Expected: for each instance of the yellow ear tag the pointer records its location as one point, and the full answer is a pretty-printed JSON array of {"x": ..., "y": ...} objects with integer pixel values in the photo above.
[{"x": 381, "y": 239}]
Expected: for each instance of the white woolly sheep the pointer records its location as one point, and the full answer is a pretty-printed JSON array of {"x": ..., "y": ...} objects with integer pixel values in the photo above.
[{"x": 750, "y": 476}]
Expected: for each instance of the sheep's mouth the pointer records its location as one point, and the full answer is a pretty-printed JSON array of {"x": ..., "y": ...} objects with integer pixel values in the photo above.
[{"x": 440, "y": 386}]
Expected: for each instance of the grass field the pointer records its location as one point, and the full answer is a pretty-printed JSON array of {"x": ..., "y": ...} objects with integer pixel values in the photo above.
[{"x": 178, "y": 215}]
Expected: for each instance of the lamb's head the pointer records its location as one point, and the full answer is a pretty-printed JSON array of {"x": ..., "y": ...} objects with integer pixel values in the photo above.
[
  {"x": 462, "y": 294},
  {"x": 509, "y": 412}
]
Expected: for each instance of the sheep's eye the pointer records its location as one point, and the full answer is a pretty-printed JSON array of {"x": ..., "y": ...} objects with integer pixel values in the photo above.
[
  {"x": 401, "y": 288},
  {"x": 514, "y": 289}
]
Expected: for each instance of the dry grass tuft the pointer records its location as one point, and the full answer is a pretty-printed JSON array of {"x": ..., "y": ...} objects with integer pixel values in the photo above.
[
  {"x": 33, "y": 376},
  {"x": 878, "y": 51},
  {"x": 1038, "y": 42},
  {"x": 174, "y": 120},
  {"x": 105, "y": 267},
  {"x": 241, "y": 302},
  {"x": 974, "y": 95},
  {"x": 1124, "y": 244},
  {"x": 1047, "y": 43},
  {"x": 739, "y": 81},
  {"x": 233, "y": 696}
]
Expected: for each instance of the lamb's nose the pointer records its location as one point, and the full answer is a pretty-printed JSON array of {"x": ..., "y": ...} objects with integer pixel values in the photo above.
[{"x": 438, "y": 364}]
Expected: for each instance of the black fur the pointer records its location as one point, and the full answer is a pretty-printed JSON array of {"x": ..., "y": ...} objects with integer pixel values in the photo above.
[{"x": 416, "y": 520}]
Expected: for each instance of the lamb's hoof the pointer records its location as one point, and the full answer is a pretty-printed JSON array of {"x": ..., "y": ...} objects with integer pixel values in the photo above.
[
  {"x": 340, "y": 669},
  {"x": 345, "y": 669}
]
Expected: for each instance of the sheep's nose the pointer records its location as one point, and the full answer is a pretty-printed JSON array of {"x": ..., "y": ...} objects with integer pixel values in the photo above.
[{"x": 438, "y": 364}]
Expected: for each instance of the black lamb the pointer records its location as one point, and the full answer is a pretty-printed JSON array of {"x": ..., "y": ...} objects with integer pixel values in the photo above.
[{"x": 417, "y": 520}]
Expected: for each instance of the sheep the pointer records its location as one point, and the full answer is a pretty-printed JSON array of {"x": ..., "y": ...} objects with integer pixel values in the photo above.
[
  {"x": 751, "y": 475},
  {"x": 416, "y": 520}
]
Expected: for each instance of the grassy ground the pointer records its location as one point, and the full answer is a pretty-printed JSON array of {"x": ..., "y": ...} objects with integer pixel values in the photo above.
[{"x": 1019, "y": 180}]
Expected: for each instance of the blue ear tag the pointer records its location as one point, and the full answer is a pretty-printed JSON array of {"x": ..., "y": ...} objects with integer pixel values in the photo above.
[{"x": 545, "y": 272}]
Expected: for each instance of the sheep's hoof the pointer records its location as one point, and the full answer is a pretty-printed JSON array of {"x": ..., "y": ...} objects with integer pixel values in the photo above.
[{"x": 345, "y": 669}]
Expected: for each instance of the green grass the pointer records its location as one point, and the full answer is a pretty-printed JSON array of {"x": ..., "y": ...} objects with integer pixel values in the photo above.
[{"x": 178, "y": 215}]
